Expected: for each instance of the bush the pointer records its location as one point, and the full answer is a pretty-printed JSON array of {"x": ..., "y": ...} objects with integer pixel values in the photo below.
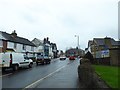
[
  {"x": 89, "y": 56},
  {"x": 85, "y": 60}
]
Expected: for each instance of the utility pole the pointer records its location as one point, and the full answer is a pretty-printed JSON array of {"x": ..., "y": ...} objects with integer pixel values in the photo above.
[{"x": 77, "y": 41}]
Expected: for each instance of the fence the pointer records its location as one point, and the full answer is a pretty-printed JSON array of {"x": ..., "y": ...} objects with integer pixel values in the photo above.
[{"x": 101, "y": 61}]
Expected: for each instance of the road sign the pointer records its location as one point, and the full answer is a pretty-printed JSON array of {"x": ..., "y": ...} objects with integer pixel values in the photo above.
[{"x": 105, "y": 51}]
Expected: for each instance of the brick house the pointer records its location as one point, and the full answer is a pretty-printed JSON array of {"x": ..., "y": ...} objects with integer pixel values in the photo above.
[
  {"x": 115, "y": 56},
  {"x": 13, "y": 43},
  {"x": 101, "y": 46},
  {"x": 105, "y": 48}
]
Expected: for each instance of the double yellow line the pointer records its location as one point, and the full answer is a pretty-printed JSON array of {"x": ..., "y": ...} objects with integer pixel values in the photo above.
[{"x": 29, "y": 86}]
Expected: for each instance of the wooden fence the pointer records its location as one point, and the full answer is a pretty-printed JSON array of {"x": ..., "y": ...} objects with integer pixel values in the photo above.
[{"x": 101, "y": 61}]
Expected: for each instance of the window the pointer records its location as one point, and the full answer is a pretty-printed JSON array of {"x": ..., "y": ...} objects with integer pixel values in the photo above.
[
  {"x": 32, "y": 48},
  {"x": 24, "y": 47},
  {"x": 15, "y": 45},
  {"x": 96, "y": 48},
  {"x": 1, "y": 43}
]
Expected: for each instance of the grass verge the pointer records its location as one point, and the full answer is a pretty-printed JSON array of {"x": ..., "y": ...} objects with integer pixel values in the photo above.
[{"x": 109, "y": 74}]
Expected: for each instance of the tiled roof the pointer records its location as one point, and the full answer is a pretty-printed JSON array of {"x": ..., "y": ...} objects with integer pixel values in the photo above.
[
  {"x": 17, "y": 39},
  {"x": 115, "y": 42},
  {"x": 101, "y": 41}
]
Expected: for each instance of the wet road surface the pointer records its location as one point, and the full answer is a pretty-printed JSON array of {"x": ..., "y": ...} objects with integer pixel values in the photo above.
[{"x": 58, "y": 74}]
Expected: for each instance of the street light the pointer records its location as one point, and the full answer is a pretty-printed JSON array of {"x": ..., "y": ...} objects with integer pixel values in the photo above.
[{"x": 77, "y": 40}]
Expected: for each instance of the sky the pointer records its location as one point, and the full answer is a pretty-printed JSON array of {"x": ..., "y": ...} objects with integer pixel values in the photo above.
[{"x": 60, "y": 20}]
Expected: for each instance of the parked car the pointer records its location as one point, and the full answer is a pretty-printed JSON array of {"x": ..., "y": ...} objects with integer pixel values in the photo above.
[
  {"x": 62, "y": 57},
  {"x": 42, "y": 59},
  {"x": 14, "y": 60}
]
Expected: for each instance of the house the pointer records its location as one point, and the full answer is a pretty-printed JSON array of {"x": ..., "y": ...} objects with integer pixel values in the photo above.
[
  {"x": 54, "y": 50},
  {"x": 13, "y": 43},
  {"x": 41, "y": 43},
  {"x": 105, "y": 50},
  {"x": 114, "y": 56},
  {"x": 99, "y": 47}
]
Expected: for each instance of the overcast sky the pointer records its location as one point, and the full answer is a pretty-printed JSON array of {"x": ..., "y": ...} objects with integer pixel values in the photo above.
[{"x": 60, "y": 20}]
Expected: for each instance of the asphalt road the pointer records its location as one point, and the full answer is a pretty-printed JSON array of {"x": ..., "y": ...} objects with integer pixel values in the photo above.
[{"x": 58, "y": 74}]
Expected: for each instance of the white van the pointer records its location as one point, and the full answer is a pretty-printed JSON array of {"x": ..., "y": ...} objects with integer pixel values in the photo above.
[{"x": 14, "y": 60}]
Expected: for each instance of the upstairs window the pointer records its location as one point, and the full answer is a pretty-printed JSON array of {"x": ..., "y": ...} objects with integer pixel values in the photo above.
[
  {"x": 24, "y": 47},
  {"x": 32, "y": 48},
  {"x": 15, "y": 45},
  {"x": 1, "y": 43}
]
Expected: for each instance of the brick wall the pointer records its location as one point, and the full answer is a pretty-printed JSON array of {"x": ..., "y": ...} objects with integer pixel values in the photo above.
[
  {"x": 102, "y": 61},
  {"x": 113, "y": 60},
  {"x": 0, "y": 49},
  {"x": 115, "y": 56}
]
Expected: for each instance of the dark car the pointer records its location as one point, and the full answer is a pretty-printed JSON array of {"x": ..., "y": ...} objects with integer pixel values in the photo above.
[{"x": 42, "y": 60}]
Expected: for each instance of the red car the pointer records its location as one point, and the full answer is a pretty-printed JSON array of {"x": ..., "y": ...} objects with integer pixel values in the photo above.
[{"x": 71, "y": 57}]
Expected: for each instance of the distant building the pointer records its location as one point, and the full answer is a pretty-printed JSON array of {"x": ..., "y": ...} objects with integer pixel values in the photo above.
[
  {"x": 13, "y": 43},
  {"x": 105, "y": 48},
  {"x": 77, "y": 52},
  {"x": 99, "y": 47},
  {"x": 40, "y": 46},
  {"x": 54, "y": 50}
]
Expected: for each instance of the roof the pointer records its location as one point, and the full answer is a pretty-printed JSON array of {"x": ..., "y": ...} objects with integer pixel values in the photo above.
[
  {"x": 115, "y": 42},
  {"x": 101, "y": 41},
  {"x": 17, "y": 39},
  {"x": 37, "y": 42},
  {"x": 90, "y": 42}
]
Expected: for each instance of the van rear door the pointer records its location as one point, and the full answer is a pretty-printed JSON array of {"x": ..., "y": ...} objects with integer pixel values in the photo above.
[
  {"x": 4, "y": 60},
  {"x": 0, "y": 59}
]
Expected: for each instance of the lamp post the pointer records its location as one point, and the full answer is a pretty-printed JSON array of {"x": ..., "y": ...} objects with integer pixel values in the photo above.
[{"x": 77, "y": 40}]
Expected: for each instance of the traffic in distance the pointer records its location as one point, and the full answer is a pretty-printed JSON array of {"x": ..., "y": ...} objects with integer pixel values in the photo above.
[{"x": 18, "y": 60}]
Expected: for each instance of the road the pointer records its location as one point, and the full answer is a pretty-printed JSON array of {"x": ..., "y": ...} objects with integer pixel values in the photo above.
[{"x": 58, "y": 74}]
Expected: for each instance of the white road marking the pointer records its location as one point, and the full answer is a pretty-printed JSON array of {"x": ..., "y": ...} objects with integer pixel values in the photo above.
[
  {"x": 43, "y": 78},
  {"x": 6, "y": 75}
]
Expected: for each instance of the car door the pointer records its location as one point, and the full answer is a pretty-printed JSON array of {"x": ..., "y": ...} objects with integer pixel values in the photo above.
[{"x": 26, "y": 60}]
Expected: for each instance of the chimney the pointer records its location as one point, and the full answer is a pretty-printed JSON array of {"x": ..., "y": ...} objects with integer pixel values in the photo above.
[
  {"x": 44, "y": 40},
  {"x": 14, "y": 34},
  {"x": 47, "y": 39},
  {"x": 107, "y": 41}
]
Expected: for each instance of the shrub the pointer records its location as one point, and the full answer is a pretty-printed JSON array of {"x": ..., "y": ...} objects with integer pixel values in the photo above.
[
  {"x": 85, "y": 60},
  {"x": 89, "y": 56}
]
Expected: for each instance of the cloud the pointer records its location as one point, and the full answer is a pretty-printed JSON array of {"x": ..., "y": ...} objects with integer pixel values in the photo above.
[{"x": 60, "y": 20}]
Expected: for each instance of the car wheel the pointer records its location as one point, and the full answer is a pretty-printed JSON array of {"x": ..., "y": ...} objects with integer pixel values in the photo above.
[
  {"x": 49, "y": 62},
  {"x": 43, "y": 63},
  {"x": 30, "y": 65},
  {"x": 37, "y": 64},
  {"x": 3, "y": 69},
  {"x": 15, "y": 67}
]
